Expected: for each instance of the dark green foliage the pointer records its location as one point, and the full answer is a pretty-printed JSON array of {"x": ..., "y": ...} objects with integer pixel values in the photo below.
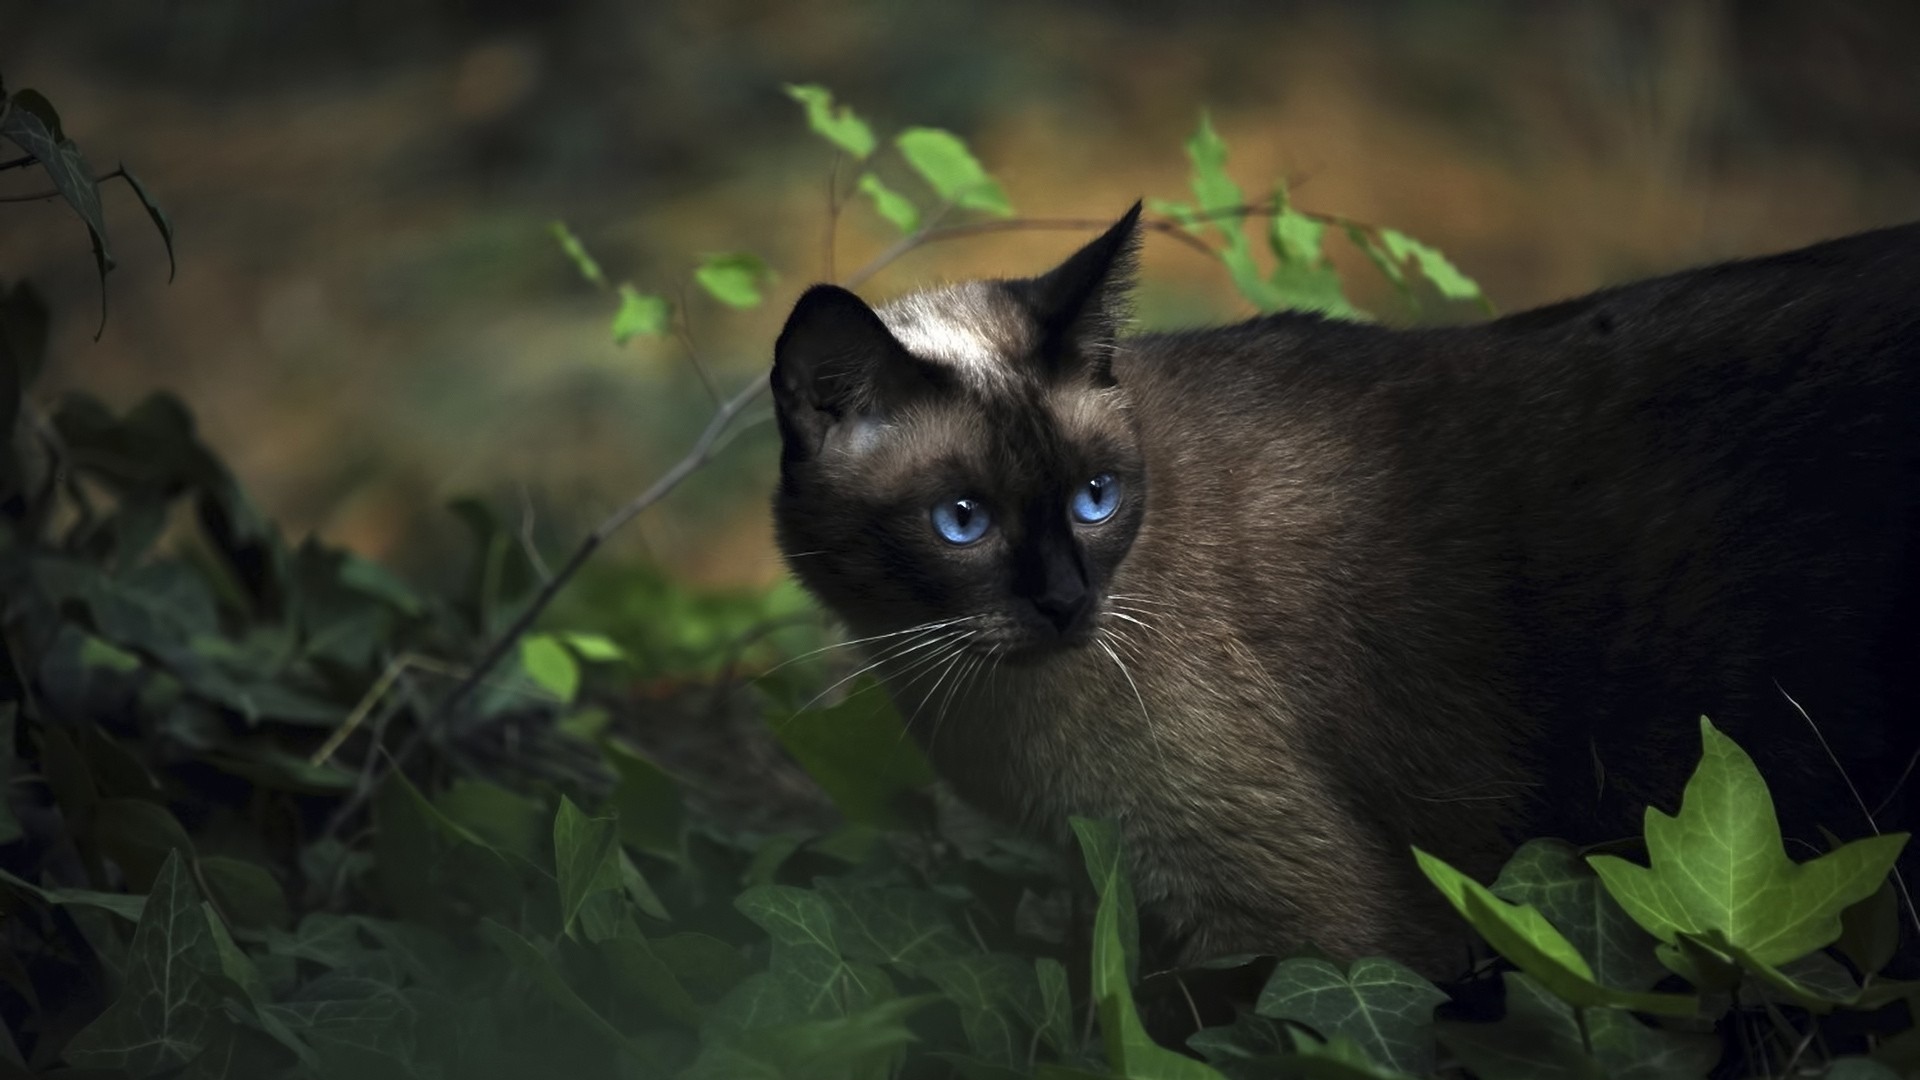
[{"x": 191, "y": 708}]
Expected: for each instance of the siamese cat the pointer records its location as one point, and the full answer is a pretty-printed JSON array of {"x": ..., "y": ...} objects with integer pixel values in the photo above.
[{"x": 1287, "y": 597}]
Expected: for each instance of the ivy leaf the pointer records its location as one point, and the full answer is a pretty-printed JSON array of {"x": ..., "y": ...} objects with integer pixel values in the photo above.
[
  {"x": 1445, "y": 277},
  {"x": 838, "y": 126},
  {"x": 890, "y": 204},
  {"x": 1386, "y": 1009},
  {"x": 640, "y": 315},
  {"x": 585, "y": 863},
  {"x": 576, "y": 253},
  {"x": 734, "y": 278},
  {"x": 807, "y": 954},
  {"x": 984, "y": 988},
  {"x": 1719, "y": 866},
  {"x": 907, "y": 928},
  {"x": 1521, "y": 934},
  {"x": 1131, "y": 1052},
  {"x": 1551, "y": 876},
  {"x": 125, "y": 906},
  {"x": 1539, "y": 1039},
  {"x": 550, "y": 665},
  {"x": 647, "y": 803},
  {"x": 534, "y": 963},
  {"x": 161, "y": 222},
  {"x": 166, "y": 1010},
  {"x": 33, "y": 124},
  {"x": 944, "y": 162}
]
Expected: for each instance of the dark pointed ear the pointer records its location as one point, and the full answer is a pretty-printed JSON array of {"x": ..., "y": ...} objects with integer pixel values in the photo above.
[
  {"x": 1082, "y": 304},
  {"x": 836, "y": 360}
]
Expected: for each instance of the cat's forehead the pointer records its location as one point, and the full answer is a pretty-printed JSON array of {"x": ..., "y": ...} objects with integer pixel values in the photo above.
[{"x": 974, "y": 327}]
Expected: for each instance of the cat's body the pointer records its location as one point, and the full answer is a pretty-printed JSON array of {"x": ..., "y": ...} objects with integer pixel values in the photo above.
[{"x": 1369, "y": 588}]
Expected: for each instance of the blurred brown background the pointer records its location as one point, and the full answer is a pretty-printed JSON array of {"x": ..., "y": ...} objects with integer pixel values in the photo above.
[{"x": 371, "y": 317}]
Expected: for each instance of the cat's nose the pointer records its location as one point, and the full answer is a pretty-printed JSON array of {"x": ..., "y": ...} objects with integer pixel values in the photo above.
[{"x": 1066, "y": 609}]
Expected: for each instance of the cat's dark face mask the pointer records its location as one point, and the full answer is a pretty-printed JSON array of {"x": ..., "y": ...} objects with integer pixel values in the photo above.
[{"x": 962, "y": 462}]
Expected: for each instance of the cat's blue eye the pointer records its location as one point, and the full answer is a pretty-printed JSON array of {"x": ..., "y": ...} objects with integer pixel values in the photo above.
[
  {"x": 1096, "y": 500},
  {"x": 961, "y": 521}
]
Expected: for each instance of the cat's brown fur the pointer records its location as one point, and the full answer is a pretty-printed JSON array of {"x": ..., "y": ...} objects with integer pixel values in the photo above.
[{"x": 1370, "y": 588}]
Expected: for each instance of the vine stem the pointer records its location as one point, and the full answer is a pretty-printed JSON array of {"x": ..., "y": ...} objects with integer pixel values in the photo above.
[
  {"x": 703, "y": 449},
  {"x": 50, "y": 193}
]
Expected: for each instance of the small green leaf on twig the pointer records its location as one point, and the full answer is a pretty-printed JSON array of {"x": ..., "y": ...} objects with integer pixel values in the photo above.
[
  {"x": 892, "y": 205},
  {"x": 550, "y": 665},
  {"x": 640, "y": 315},
  {"x": 577, "y": 252},
  {"x": 838, "y": 126},
  {"x": 734, "y": 278},
  {"x": 944, "y": 162}
]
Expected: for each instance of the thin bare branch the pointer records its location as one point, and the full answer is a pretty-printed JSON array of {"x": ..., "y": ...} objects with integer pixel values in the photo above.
[{"x": 683, "y": 329}]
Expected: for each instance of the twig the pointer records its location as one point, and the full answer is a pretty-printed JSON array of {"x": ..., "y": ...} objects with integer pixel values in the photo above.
[
  {"x": 19, "y": 162},
  {"x": 527, "y": 545},
  {"x": 833, "y": 211},
  {"x": 683, "y": 329},
  {"x": 1166, "y": 226},
  {"x": 55, "y": 193},
  {"x": 697, "y": 456}
]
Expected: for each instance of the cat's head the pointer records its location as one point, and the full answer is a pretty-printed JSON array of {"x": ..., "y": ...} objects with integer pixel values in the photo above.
[{"x": 963, "y": 453}]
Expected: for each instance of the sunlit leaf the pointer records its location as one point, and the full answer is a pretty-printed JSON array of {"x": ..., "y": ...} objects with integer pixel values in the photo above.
[
  {"x": 1719, "y": 866},
  {"x": 890, "y": 204},
  {"x": 1540, "y": 1039},
  {"x": 548, "y": 663},
  {"x": 1445, "y": 277},
  {"x": 1551, "y": 876},
  {"x": 950, "y": 169},
  {"x": 1521, "y": 934},
  {"x": 838, "y": 126},
  {"x": 735, "y": 279},
  {"x": 576, "y": 252},
  {"x": 640, "y": 315}
]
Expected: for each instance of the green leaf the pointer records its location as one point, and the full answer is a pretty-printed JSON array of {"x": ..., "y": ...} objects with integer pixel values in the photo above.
[
  {"x": 856, "y": 751},
  {"x": 1521, "y": 934},
  {"x": 1297, "y": 238},
  {"x": 1386, "y": 1009},
  {"x": 950, "y": 169},
  {"x": 647, "y": 802},
  {"x": 890, "y": 204},
  {"x": 984, "y": 987},
  {"x": 534, "y": 964},
  {"x": 1870, "y": 929},
  {"x": 550, "y": 665},
  {"x": 1100, "y": 849},
  {"x": 640, "y": 315},
  {"x": 863, "y": 1045},
  {"x": 98, "y": 653},
  {"x": 1719, "y": 865},
  {"x": 1213, "y": 189},
  {"x": 594, "y": 648},
  {"x": 1539, "y": 1039},
  {"x": 158, "y": 216},
  {"x": 806, "y": 953},
  {"x": 125, "y": 906},
  {"x": 838, "y": 126},
  {"x": 1435, "y": 267},
  {"x": 906, "y": 928},
  {"x": 33, "y": 124},
  {"x": 140, "y": 836},
  {"x": 1131, "y": 1051},
  {"x": 1054, "y": 1020},
  {"x": 734, "y": 278},
  {"x": 585, "y": 855},
  {"x": 369, "y": 578},
  {"x": 166, "y": 1009},
  {"x": 576, "y": 252},
  {"x": 638, "y": 969},
  {"x": 1551, "y": 876},
  {"x": 246, "y": 892}
]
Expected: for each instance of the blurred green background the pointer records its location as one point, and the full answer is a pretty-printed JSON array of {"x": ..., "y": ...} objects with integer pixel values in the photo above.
[{"x": 372, "y": 318}]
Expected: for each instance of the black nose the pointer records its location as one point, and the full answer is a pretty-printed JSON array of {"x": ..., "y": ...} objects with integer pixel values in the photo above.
[{"x": 1064, "y": 607}]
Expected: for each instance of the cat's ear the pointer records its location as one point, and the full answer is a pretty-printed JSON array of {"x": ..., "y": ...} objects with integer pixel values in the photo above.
[
  {"x": 1081, "y": 305},
  {"x": 835, "y": 360}
]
